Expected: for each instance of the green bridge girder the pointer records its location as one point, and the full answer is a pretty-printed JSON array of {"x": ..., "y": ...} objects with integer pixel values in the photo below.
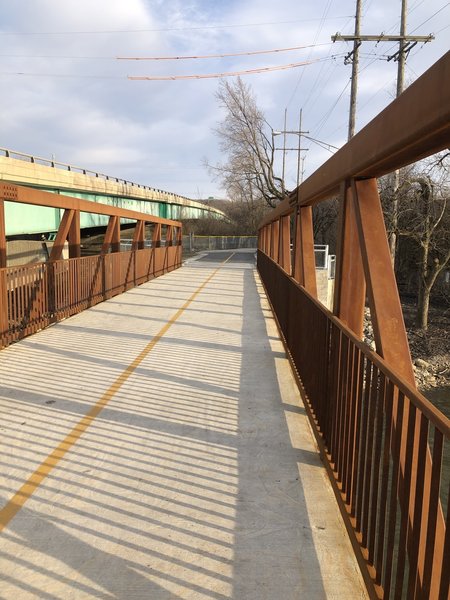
[
  {"x": 58, "y": 178},
  {"x": 29, "y": 219}
]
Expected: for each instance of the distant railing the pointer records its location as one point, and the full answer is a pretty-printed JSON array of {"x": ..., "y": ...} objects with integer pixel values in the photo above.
[
  {"x": 50, "y": 162},
  {"x": 44, "y": 293},
  {"x": 34, "y": 296},
  {"x": 386, "y": 448},
  {"x": 195, "y": 242}
]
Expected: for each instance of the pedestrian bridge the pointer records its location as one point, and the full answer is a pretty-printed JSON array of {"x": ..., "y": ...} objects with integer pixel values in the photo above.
[{"x": 210, "y": 430}]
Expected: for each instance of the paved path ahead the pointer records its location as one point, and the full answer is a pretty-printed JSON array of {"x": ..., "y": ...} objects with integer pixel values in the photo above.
[{"x": 156, "y": 447}]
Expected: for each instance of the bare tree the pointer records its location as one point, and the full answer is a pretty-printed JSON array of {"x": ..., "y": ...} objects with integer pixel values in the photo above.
[
  {"x": 325, "y": 217},
  {"x": 246, "y": 139},
  {"x": 246, "y": 209},
  {"x": 424, "y": 219}
]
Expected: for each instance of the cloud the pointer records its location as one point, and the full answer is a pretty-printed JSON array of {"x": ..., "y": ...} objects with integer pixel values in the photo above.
[{"x": 73, "y": 98}]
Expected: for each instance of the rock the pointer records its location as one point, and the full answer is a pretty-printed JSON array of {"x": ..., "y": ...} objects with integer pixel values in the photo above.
[{"x": 419, "y": 362}]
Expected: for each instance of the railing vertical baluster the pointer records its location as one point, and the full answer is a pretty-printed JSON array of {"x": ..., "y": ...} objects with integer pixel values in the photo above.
[
  {"x": 365, "y": 428},
  {"x": 418, "y": 504},
  {"x": 445, "y": 576},
  {"x": 374, "y": 501},
  {"x": 433, "y": 510},
  {"x": 385, "y": 469},
  {"x": 393, "y": 500},
  {"x": 357, "y": 434}
]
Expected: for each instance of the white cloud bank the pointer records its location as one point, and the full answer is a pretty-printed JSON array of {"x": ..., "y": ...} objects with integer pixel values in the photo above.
[{"x": 64, "y": 93}]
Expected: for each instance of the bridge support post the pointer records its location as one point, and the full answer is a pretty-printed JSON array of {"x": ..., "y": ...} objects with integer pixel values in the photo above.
[
  {"x": 139, "y": 236},
  {"x": 179, "y": 245},
  {"x": 2, "y": 235},
  {"x": 168, "y": 250},
  {"x": 284, "y": 248},
  {"x": 74, "y": 236},
  {"x": 63, "y": 232},
  {"x": 109, "y": 235},
  {"x": 385, "y": 308},
  {"x": 266, "y": 239},
  {"x": 350, "y": 286},
  {"x": 304, "y": 265},
  {"x": 275, "y": 240},
  {"x": 268, "y": 242},
  {"x": 3, "y": 289},
  {"x": 115, "y": 239},
  {"x": 156, "y": 239}
]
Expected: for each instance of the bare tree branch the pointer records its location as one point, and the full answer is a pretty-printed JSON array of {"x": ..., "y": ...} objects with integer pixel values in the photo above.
[{"x": 246, "y": 140}]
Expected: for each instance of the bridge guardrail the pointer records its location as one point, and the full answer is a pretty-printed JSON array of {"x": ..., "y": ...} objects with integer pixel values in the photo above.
[
  {"x": 50, "y": 162},
  {"x": 384, "y": 445},
  {"x": 34, "y": 296}
]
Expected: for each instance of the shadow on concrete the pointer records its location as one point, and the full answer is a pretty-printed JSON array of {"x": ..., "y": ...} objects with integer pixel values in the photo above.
[{"x": 186, "y": 485}]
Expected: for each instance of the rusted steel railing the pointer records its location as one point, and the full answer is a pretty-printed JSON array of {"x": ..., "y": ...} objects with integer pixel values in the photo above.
[
  {"x": 366, "y": 418},
  {"x": 34, "y": 296},
  {"x": 386, "y": 448}
]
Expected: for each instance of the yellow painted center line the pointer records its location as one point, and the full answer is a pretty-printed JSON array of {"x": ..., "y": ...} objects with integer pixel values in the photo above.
[{"x": 9, "y": 511}]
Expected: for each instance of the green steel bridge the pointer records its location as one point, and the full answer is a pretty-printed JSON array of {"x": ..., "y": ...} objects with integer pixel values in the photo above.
[{"x": 60, "y": 178}]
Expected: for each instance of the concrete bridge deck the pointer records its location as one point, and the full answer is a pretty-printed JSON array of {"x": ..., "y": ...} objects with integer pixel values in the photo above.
[{"x": 156, "y": 447}]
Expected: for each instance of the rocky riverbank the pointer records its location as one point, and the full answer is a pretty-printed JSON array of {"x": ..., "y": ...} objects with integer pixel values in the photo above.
[{"x": 430, "y": 350}]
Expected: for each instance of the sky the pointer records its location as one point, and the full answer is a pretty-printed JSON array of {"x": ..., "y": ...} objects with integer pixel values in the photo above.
[{"x": 65, "y": 94}]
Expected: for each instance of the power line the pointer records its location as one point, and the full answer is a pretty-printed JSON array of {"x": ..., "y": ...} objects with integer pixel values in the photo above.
[
  {"x": 322, "y": 21},
  {"x": 59, "y": 75},
  {"x": 218, "y": 75},
  {"x": 164, "y": 29},
  {"x": 443, "y": 29},
  {"x": 432, "y": 16},
  {"x": 322, "y": 81},
  {"x": 225, "y": 55},
  {"x": 167, "y": 77},
  {"x": 58, "y": 56},
  {"x": 321, "y": 123},
  {"x": 157, "y": 58}
]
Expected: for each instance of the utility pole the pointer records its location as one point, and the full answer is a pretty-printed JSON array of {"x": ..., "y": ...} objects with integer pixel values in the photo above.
[
  {"x": 284, "y": 144},
  {"x": 355, "y": 65},
  {"x": 406, "y": 43},
  {"x": 299, "y": 148},
  {"x": 396, "y": 178},
  {"x": 284, "y": 133},
  {"x": 401, "y": 50}
]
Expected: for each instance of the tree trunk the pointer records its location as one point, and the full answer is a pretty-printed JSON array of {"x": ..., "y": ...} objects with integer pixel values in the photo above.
[
  {"x": 423, "y": 305},
  {"x": 424, "y": 291}
]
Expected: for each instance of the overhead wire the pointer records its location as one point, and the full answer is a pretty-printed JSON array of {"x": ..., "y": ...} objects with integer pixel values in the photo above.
[
  {"x": 443, "y": 29},
  {"x": 321, "y": 23},
  {"x": 170, "y": 77},
  {"x": 224, "y": 74},
  {"x": 167, "y": 58},
  {"x": 168, "y": 29},
  {"x": 321, "y": 123},
  {"x": 317, "y": 88},
  {"x": 322, "y": 83},
  {"x": 432, "y": 16},
  {"x": 225, "y": 55}
]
